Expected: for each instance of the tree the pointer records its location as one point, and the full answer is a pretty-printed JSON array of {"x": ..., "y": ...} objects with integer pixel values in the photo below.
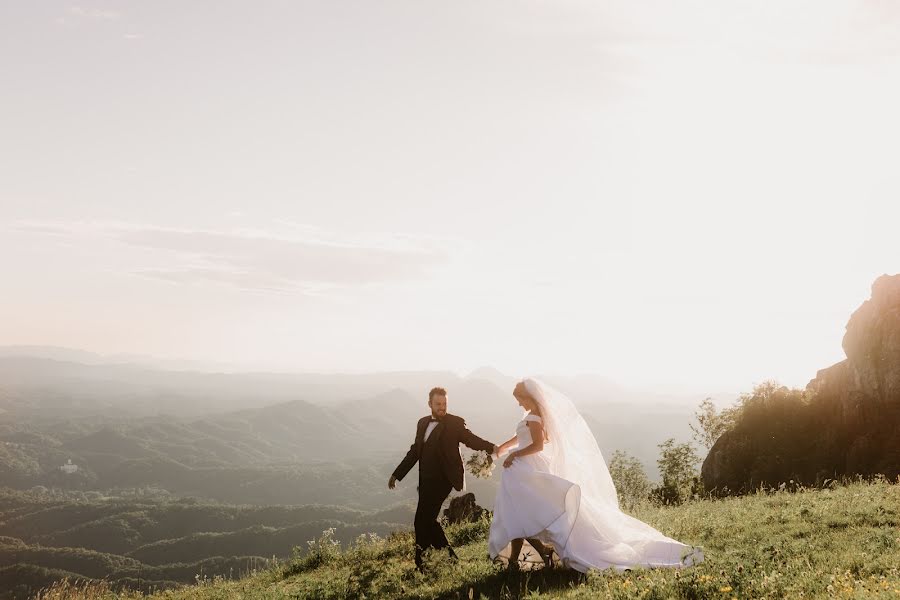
[
  {"x": 711, "y": 424},
  {"x": 678, "y": 466},
  {"x": 632, "y": 484}
]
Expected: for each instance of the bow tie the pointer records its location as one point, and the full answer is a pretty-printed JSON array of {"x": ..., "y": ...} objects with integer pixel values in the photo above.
[{"x": 434, "y": 420}]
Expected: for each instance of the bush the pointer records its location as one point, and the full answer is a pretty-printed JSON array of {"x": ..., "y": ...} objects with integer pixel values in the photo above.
[
  {"x": 678, "y": 466},
  {"x": 711, "y": 424},
  {"x": 630, "y": 479}
]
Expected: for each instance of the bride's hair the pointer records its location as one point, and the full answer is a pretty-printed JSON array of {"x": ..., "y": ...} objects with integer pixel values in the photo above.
[{"x": 536, "y": 408}]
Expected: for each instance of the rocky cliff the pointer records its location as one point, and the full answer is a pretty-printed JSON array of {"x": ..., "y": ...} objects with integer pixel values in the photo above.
[{"x": 846, "y": 422}]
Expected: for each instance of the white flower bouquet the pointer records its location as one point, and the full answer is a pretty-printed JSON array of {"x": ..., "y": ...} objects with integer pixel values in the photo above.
[{"x": 481, "y": 465}]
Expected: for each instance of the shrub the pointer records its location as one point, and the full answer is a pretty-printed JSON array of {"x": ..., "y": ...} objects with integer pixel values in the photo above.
[
  {"x": 678, "y": 466},
  {"x": 630, "y": 479}
]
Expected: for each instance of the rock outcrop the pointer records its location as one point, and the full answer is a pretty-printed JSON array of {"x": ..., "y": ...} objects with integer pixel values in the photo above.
[
  {"x": 846, "y": 423},
  {"x": 871, "y": 372},
  {"x": 463, "y": 509}
]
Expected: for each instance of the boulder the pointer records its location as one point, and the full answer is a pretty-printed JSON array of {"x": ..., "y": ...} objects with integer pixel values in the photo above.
[{"x": 463, "y": 509}]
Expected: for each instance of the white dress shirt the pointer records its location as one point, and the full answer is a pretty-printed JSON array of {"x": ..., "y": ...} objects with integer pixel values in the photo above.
[{"x": 428, "y": 431}]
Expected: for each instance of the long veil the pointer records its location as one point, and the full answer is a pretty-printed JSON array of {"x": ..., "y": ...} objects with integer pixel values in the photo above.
[
  {"x": 566, "y": 497},
  {"x": 572, "y": 448}
]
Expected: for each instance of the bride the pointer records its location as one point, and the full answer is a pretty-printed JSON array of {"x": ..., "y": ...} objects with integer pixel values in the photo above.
[{"x": 556, "y": 493}]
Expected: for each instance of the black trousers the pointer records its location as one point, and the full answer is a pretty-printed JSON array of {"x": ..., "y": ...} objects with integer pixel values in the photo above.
[{"x": 429, "y": 533}]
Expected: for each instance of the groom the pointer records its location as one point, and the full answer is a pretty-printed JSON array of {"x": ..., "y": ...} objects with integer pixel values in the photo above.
[{"x": 436, "y": 448}]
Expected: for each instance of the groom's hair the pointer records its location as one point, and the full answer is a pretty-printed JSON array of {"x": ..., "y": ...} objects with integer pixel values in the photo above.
[{"x": 438, "y": 391}]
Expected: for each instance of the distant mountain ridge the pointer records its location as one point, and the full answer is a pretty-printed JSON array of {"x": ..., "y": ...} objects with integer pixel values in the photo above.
[
  {"x": 321, "y": 388},
  {"x": 229, "y": 435},
  {"x": 92, "y": 358}
]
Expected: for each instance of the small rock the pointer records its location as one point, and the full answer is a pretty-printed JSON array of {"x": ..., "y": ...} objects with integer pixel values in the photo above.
[{"x": 463, "y": 509}]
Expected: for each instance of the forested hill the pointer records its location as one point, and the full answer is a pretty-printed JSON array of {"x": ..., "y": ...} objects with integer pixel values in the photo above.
[{"x": 143, "y": 542}]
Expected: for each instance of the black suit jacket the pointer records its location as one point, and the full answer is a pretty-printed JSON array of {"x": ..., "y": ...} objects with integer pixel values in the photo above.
[{"x": 450, "y": 432}]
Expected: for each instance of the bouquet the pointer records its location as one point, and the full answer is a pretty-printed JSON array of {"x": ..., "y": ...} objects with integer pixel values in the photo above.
[{"x": 481, "y": 465}]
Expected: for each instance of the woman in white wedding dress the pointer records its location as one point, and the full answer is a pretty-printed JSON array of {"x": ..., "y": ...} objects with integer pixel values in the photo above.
[{"x": 556, "y": 492}]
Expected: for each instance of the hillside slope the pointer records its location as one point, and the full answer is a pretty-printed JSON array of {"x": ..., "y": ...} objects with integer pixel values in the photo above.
[{"x": 811, "y": 543}]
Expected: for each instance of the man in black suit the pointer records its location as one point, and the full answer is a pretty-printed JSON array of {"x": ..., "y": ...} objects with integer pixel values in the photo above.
[{"x": 436, "y": 448}]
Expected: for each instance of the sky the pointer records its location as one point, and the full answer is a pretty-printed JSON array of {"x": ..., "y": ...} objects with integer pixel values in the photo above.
[{"x": 692, "y": 194}]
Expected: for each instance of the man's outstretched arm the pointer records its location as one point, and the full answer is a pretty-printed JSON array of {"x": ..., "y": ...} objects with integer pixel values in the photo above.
[{"x": 474, "y": 442}]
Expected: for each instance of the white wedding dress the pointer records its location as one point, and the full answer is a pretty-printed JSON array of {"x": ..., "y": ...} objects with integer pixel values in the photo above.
[{"x": 565, "y": 497}]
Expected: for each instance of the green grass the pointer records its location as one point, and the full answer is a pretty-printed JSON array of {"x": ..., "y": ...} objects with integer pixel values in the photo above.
[{"x": 842, "y": 542}]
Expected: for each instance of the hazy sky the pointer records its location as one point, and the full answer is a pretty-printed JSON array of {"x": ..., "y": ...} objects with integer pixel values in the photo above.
[{"x": 682, "y": 192}]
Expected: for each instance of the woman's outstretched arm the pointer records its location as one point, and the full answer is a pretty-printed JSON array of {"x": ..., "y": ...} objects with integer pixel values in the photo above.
[{"x": 506, "y": 445}]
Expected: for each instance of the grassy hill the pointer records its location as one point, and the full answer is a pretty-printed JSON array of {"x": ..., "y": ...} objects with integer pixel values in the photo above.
[{"x": 841, "y": 542}]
